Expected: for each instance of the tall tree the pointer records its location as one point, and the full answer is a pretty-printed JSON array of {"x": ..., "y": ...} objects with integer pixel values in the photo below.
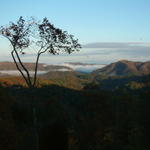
[{"x": 43, "y": 36}]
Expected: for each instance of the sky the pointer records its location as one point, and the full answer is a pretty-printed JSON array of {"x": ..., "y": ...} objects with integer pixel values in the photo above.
[{"x": 91, "y": 21}]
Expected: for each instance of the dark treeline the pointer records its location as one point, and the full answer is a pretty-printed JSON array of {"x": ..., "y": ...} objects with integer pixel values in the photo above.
[{"x": 74, "y": 119}]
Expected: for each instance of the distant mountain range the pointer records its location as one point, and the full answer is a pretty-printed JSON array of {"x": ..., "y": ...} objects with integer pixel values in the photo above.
[
  {"x": 117, "y": 75},
  {"x": 120, "y": 68},
  {"x": 124, "y": 68},
  {"x": 42, "y": 67},
  {"x": 10, "y": 68}
]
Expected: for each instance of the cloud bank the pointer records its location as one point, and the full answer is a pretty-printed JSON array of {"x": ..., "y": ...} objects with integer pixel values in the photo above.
[
  {"x": 117, "y": 45},
  {"x": 96, "y": 53}
]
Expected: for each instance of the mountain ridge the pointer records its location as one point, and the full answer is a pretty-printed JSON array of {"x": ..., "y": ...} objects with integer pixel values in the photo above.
[
  {"x": 31, "y": 66},
  {"x": 124, "y": 68}
]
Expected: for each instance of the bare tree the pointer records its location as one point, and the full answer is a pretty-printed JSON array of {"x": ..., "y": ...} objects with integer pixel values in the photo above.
[{"x": 43, "y": 35}]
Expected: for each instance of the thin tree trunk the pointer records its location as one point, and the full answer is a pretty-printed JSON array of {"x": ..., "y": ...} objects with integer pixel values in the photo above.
[
  {"x": 36, "y": 67},
  {"x": 27, "y": 72},
  {"x": 26, "y": 80}
]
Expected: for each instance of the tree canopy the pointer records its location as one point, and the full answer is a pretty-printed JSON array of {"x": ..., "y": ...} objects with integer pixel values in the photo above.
[{"x": 43, "y": 36}]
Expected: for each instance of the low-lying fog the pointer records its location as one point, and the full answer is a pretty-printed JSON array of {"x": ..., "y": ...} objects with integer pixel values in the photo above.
[
  {"x": 87, "y": 68},
  {"x": 90, "y": 54}
]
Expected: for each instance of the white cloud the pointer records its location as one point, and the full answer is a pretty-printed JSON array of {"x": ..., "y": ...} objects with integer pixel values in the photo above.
[
  {"x": 116, "y": 45},
  {"x": 130, "y": 51}
]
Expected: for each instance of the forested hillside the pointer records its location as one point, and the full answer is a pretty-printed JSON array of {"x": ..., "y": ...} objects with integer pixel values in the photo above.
[
  {"x": 124, "y": 68},
  {"x": 73, "y": 110}
]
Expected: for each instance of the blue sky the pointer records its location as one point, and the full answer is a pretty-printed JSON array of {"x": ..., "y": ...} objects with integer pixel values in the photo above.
[{"x": 91, "y": 21}]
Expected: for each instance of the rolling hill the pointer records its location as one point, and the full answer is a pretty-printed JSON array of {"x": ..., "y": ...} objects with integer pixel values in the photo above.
[
  {"x": 31, "y": 66},
  {"x": 124, "y": 68}
]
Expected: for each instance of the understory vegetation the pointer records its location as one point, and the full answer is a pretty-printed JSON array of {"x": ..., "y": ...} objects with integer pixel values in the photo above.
[{"x": 76, "y": 115}]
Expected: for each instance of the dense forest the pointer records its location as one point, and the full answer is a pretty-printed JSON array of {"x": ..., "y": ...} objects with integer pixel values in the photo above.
[{"x": 75, "y": 111}]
